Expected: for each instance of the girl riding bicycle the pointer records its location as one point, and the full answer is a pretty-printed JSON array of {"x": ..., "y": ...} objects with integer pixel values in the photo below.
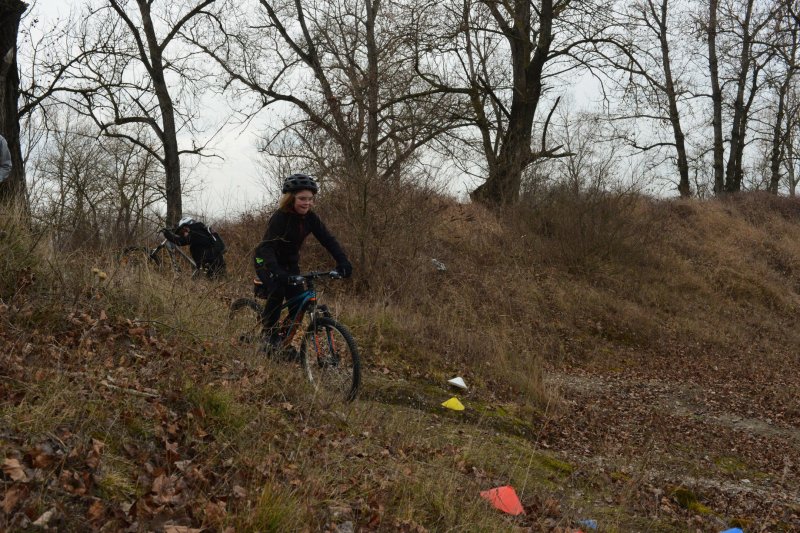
[{"x": 277, "y": 256}]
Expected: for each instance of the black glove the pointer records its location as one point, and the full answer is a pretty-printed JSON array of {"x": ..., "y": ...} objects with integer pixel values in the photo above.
[
  {"x": 263, "y": 276},
  {"x": 345, "y": 269}
]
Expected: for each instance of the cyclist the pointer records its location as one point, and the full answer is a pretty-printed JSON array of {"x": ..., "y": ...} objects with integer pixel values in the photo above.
[
  {"x": 205, "y": 245},
  {"x": 277, "y": 256}
]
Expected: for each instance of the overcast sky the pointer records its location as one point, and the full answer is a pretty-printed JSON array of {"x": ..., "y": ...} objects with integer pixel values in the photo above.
[{"x": 234, "y": 184}]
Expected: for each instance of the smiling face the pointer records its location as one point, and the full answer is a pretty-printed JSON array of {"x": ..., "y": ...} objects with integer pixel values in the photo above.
[{"x": 303, "y": 201}]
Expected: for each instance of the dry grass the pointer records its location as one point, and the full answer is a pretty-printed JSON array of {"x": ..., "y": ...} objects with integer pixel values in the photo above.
[{"x": 146, "y": 362}]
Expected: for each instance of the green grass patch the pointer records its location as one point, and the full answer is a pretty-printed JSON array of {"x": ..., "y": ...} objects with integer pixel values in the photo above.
[
  {"x": 217, "y": 405},
  {"x": 689, "y": 500},
  {"x": 278, "y": 509}
]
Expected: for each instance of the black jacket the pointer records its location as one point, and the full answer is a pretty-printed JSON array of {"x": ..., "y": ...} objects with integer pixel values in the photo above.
[
  {"x": 278, "y": 253},
  {"x": 200, "y": 241}
]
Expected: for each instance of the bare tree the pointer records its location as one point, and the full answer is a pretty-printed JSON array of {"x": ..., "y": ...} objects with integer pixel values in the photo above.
[
  {"x": 642, "y": 53},
  {"x": 782, "y": 80},
  {"x": 357, "y": 114},
  {"x": 12, "y": 189},
  {"x": 133, "y": 70},
  {"x": 738, "y": 54},
  {"x": 718, "y": 148},
  {"x": 502, "y": 57},
  {"x": 92, "y": 191}
]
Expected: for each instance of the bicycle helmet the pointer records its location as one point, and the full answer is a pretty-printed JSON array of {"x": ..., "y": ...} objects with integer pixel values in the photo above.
[
  {"x": 185, "y": 221},
  {"x": 299, "y": 182}
]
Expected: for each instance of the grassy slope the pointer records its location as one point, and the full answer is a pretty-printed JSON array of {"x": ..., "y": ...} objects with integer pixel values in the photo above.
[{"x": 127, "y": 402}]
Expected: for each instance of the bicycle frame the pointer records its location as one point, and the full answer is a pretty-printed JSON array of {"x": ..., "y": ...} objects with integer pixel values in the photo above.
[
  {"x": 173, "y": 249},
  {"x": 306, "y": 303}
]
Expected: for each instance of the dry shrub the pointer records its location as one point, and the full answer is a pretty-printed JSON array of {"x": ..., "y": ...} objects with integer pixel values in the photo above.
[
  {"x": 18, "y": 265},
  {"x": 386, "y": 228},
  {"x": 241, "y": 236},
  {"x": 585, "y": 230},
  {"x": 760, "y": 207}
]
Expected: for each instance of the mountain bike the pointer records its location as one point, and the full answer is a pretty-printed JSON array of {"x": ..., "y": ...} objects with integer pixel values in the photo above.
[
  {"x": 166, "y": 255},
  {"x": 327, "y": 351}
]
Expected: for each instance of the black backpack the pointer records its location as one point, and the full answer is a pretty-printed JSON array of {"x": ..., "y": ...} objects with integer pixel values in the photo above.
[{"x": 219, "y": 244}]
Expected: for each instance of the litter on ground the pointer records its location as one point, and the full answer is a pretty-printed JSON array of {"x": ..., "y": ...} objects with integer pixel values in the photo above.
[
  {"x": 504, "y": 498},
  {"x": 458, "y": 382},
  {"x": 453, "y": 404}
]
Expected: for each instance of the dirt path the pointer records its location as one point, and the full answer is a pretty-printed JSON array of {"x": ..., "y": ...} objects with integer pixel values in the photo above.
[{"x": 712, "y": 447}]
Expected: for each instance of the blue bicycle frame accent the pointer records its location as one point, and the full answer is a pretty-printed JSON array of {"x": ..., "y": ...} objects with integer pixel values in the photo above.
[{"x": 301, "y": 300}]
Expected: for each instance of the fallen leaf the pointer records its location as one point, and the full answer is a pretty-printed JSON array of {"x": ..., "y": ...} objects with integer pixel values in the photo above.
[
  {"x": 11, "y": 498},
  {"x": 14, "y": 470},
  {"x": 45, "y": 518},
  {"x": 42, "y": 456},
  {"x": 215, "y": 512},
  {"x": 96, "y": 511}
]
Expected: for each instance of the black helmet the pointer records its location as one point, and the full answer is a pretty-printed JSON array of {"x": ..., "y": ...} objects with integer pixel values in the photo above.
[{"x": 299, "y": 182}]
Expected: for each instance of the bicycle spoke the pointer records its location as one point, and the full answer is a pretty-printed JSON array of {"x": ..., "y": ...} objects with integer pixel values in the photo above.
[{"x": 330, "y": 359}]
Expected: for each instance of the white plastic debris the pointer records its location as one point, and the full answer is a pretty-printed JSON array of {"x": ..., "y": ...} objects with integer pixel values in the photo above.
[
  {"x": 439, "y": 265},
  {"x": 458, "y": 382}
]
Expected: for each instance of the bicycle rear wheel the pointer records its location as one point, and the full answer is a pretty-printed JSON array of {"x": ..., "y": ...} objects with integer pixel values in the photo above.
[
  {"x": 138, "y": 256},
  {"x": 245, "y": 320},
  {"x": 330, "y": 359}
]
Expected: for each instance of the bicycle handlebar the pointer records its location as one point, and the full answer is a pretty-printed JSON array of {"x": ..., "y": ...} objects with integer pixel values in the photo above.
[
  {"x": 300, "y": 278},
  {"x": 321, "y": 274}
]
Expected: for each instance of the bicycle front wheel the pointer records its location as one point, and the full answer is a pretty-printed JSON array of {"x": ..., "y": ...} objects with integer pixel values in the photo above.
[
  {"x": 330, "y": 360},
  {"x": 245, "y": 320}
]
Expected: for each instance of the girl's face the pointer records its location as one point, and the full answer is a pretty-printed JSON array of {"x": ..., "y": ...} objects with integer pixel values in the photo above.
[{"x": 303, "y": 201}]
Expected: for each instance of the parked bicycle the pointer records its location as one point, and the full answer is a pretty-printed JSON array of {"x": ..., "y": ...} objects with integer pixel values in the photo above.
[
  {"x": 327, "y": 351},
  {"x": 165, "y": 255}
]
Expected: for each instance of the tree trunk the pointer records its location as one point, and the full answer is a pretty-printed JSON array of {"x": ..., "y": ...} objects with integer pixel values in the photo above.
[
  {"x": 733, "y": 181},
  {"x": 778, "y": 139},
  {"x": 169, "y": 136},
  {"x": 372, "y": 89},
  {"x": 505, "y": 175},
  {"x": 716, "y": 100},
  {"x": 674, "y": 117},
  {"x": 12, "y": 189},
  {"x": 792, "y": 175}
]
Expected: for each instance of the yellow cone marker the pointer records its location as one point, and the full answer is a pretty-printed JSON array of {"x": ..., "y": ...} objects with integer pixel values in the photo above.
[{"x": 453, "y": 404}]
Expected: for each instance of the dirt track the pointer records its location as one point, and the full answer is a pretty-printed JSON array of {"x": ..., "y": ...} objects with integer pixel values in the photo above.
[{"x": 709, "y": 444}]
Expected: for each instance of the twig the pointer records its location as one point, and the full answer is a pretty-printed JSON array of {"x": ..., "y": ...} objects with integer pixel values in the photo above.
[{"x": 129, "y": 391}]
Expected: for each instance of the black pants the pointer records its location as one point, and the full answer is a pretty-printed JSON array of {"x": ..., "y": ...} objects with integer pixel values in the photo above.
[
  {"x": 215, "y": 268},
  {"x": 276, "y": 293}
]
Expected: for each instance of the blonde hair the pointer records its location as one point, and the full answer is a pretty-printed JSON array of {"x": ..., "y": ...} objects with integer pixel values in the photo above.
[{"x": 286, "y": 203}]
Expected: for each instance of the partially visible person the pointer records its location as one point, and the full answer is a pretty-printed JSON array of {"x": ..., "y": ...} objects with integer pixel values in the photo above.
[
  {"x": 205, "y": 246},
  {"x": 277, "y": 256},
  {"x": 5, "y": 159}
]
